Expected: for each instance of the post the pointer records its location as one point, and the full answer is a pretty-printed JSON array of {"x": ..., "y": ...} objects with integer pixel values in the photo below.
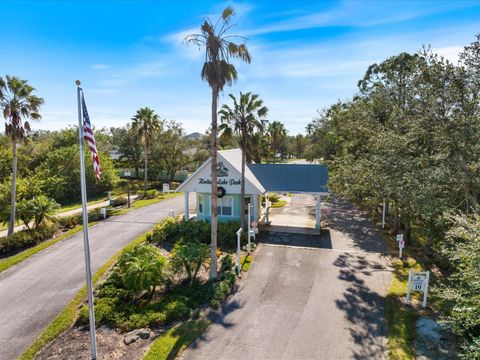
[
  {"x": 267, "y": 208},
  {"x": 383, "y": 214},
  {"x": 239, "y": 234},
  {"x": 185, "y": 195},
  {"x": 409, "y": 286},
  {"x": 318, "y": 212},
  {"x": 400, "y": 250},
  {"x": 248, "y": 231},
  {"x": 86, "y": 245},
  {"x": 425, "y": 290},
  {"x": 128, "y": 196}
]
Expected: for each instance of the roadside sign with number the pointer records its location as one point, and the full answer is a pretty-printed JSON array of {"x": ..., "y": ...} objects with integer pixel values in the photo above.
[
  {"x": 418, "y": 281},
  {"x": 166, "y": 187},
  {"x": 401, "y": 243}
]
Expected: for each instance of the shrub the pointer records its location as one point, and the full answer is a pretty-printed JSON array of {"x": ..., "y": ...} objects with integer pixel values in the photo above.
[
  {"x": 189, "y": 258},
  {"x": 69, "y": 222},
  {"x": 273, "y": 198},
  {"x": 119, "y": 201},
  {"x": 36, "y": 210},
  {"x": 142, "y": 269},
  {"x": 176, "y": 310},
  {"x": 226, "y": 234},
  {"x": 151, "y": 194},
  {"x": 21, "y": 240},
  {"x": 227, "y": 263},
  {"x": 167, "y": 230}
]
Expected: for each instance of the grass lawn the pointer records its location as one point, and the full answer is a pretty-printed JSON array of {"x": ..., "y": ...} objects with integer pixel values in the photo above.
[
  {"x": 76, "y": 205},
  {"x": 175, "y": 340},
  {"x": 67, "y": 317},
  {"x": 245, "y": 262},
  {"x": 279, "y": 204}
]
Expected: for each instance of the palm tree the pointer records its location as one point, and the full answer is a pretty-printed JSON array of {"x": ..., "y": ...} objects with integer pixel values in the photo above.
[
  {"x": 146, "y": 122},
  {"x": 244, "y": 119},
  {"x": 18, "y": 105},
  {"x": 277, "y": 134},
  {"x": 218, "y": 72}
]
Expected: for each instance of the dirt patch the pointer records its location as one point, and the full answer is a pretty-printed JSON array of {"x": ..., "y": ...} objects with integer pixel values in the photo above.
[{"x": 74, "y": 344}]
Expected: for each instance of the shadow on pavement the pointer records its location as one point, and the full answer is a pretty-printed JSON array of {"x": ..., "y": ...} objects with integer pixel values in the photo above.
[{"x": 319, "y": 241}]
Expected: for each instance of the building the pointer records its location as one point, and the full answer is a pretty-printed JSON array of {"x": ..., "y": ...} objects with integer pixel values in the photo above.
[{"x": 260, "y": 179}]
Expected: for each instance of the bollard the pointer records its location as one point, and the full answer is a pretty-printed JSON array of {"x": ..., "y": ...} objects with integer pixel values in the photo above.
[
  {"x": 171, "y": 213},
  {"x": 103, "y": 213}
]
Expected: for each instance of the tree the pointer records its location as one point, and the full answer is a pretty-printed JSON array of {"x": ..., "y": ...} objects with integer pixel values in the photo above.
[
  {"x": 218, "y": 72},
  {"x": 277, "y": 134},
  {"x": 146, "y": 122},
  {"x": 128, "y": 144},
  {"x": 142, "y": 269},
  {"x": 18, "y": 104},
  {"x": 245, "y": 118},
  {"x": 189, "y": 257},
  {"x": 36, "y": 209}
]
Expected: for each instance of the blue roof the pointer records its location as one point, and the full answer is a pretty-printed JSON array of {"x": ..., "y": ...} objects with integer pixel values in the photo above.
[{"x": 291, "y": 177}]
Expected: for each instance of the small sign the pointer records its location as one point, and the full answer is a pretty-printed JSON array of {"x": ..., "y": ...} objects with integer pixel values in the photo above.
[
  {"x": 254, "y": 224},
  {"x": 418, "y": 281},
  {"x": 399, "y": 237},
  {"x": 401, "y": 243},
  {"x": 166, "y": 187}
]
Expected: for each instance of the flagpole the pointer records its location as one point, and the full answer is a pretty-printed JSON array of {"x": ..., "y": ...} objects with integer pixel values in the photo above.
[{"x": 86, "y": 245}]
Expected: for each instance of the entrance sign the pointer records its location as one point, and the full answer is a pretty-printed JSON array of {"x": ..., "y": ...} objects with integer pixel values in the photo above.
[{"x": 418, "y": 281}]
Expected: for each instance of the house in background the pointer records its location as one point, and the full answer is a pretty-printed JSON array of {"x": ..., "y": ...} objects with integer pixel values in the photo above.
[{"x": 260, "y": 179}]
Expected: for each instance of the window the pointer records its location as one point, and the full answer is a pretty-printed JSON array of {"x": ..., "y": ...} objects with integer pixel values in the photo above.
[
  {"x": 225, "y": 206},
  {"x": 200, "y": 203}
]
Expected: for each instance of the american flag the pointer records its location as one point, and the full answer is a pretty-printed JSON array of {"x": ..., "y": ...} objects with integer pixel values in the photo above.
[{"x": 90, "y": 139}]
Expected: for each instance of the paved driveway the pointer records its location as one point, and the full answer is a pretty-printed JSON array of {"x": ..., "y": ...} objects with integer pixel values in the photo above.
[
  {"x": 307, "y": 297},
  {"x": 33, "y": 292}
]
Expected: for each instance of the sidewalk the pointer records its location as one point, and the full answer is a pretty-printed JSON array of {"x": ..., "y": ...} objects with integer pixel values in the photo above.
[{"x": 69, "y": 213}]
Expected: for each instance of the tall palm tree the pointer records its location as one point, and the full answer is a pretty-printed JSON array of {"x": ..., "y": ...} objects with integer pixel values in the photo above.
[
  {"x": 18, "y": 106},
  {"x": 244, "y": 119},
  {"x": 146, "y": 122},
  {"x": 218, "y": 72},
  {"x": 277, "y": 134}
]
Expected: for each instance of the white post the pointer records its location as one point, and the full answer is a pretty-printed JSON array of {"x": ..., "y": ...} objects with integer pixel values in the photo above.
[
  {"x": 86, "y": 244},
  {"x": 400, "y": 251},
  {"x": 409, "y": 286},
  {"x": 185, "y": 196},
  {"x": 318, "y": 212},
  {"x": 248, "y": 231},
  {"x": 239, "y": 234},
  {"x": 383, "y": 215},
  {"x": 425, "y": 291},
  {"x": 267, "y": 207}
]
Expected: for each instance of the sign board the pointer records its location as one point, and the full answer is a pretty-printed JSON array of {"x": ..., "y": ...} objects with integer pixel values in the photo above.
[
  {"x": 418, "y": 281},
  {"x": 166, "y": 187},
  {"x": 399, "y": 237},
  {"x": 401, "y": 243}
]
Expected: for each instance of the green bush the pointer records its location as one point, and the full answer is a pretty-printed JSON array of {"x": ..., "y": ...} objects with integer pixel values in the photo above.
[
  {"x": 227, "y": 263},
  {"x": 167, "y": 230},
  {"x": 142, "y": 269},
  {"x": 71, "y": 221},
  {"x": 24, "y": 239},
  {"x": 189, "y": 258},
  {"x": 119, "y": 201},
  {"x": 273, "y": 198},
  {"x": 176, "y": 310}
]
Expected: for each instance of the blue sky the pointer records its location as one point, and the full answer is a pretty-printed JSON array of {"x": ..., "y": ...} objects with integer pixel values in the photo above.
[{"x": 306, "y": 55}]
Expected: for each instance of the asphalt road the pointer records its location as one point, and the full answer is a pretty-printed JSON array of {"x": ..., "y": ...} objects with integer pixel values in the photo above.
[
  {"x": 307, "y": 297},
  {"x": 33, "y": 292}
]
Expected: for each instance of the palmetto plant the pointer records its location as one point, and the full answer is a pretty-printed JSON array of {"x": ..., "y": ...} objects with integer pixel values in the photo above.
[
  {"x": 245, "y": 118},
  {"x": 218, "y": 72},
  {"x": 18, "y": 105},
  {"x": 277, "y": 134},
  {"x": 146, "y": 122},
  {"x": 142, "y": 269},
  {"x": 36, "y": 209}
]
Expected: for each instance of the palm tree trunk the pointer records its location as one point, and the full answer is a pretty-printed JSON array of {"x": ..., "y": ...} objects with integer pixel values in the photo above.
[
  {"x": 214, "y": 202},
  {"x": 242, "y": 191},
  {"x": 146, "y": 167},
  {"x": 11, "y": 224}
]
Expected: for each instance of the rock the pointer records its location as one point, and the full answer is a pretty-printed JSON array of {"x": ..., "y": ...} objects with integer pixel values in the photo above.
[
  {"x": 434, "y": 341},
  {"x": 134, "y": 335}
]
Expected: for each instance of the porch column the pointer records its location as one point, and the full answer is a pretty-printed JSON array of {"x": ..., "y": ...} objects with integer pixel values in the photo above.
[
  {"x": 267, "y": 208},
  {"x": 254, "y": 207},
  {"x": 318, "y": 212},
  {"x": 187, "y": 207}
]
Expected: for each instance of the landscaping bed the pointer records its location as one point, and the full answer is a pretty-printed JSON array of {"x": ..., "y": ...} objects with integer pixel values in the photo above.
[{"x": 160, "y": 288}]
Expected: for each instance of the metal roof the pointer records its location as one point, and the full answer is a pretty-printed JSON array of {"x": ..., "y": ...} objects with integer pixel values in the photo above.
[{"x": 291, "y": 177}]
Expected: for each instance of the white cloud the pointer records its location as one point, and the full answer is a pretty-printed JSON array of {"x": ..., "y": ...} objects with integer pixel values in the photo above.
[
  {"x": 450, "y": 53},
  {"x": 100, "y": 67}
]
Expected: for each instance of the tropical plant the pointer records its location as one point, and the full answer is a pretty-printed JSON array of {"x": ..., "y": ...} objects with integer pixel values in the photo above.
[
  {"x": 18, "y": 105},
  {"x": 244, "y": 119},
  {"x": 36, "y": 210},
  {"x": 142, "y": 269},
  {"x": 189, "y": 258},
  {"x": 218, "y": 72},
  {"x": 146, "y": 122},
  {"x": 277, "y": 134}
]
